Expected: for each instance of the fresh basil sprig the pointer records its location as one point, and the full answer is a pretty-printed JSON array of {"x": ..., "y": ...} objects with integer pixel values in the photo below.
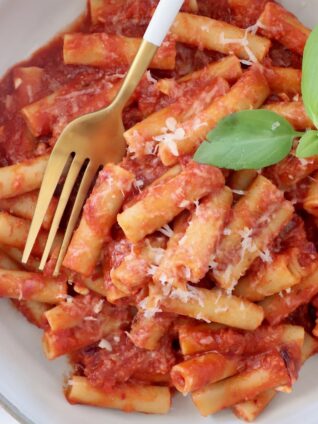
[{"x": 253, "y": 139}]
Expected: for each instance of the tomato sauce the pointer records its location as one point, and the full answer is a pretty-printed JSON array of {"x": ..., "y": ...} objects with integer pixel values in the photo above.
[{"x": 122, "y": 360}]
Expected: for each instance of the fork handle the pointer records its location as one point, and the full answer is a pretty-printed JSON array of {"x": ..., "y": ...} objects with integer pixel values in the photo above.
[{"x": 158, "y": 28}]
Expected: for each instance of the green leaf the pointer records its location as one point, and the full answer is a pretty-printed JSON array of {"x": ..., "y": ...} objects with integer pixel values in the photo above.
[
  {"x": 249, "y": 139},
  {"x": 308, "y": 145},
  {"x": 309, "y": 76}
]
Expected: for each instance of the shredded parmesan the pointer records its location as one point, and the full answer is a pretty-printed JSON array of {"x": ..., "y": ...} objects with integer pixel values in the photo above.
[
  {"x": 150, "y": 78},
  {"x": 171, "y": 134},
  {"x": 239, "y": 192},
  {"x": 69, "y": 299},
  {"x": 184, "y": 204},
  {"x": 241, "y": 41},
  {"x": 138, "y": 184},
  {"x": 201, "y": 317},
  {"x": 212, "y": 263},
  {"x": 99, "y": 306},
  {"x": 247, "y": 241},
  {"x": 150, "y": 306},
  {"x": 166, "y": 231},
  {"x": 186, "y": 295},
  {"x": 17, "y": 83},
  {"x": 227, "y": 231},
  {"x": 266, "y": 256},
  {"x": 104, "y": 344}
]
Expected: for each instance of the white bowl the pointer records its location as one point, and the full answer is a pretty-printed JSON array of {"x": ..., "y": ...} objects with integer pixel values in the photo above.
[{"x": 30, "y": 386}]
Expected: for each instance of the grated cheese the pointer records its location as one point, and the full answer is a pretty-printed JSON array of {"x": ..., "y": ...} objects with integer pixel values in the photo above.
[
  {"x": 212, "y": 263},
  {"x": 184, "y": 204},
  {"x": 247, "y": 241},
  {"x": 239, "y": 192},
  {"x": 138, "y": 184},
  {"x": 99, "y": 306},
  {"x": 104, "y": 344},
  {"x": 166, "y": 231},
  {"x": 150, "y": 78},
  {"x": 266, "y": 256},
  {"x": 201, "y": 317},
  {"x": 171, "y": 133},
  {"x": 241, "y": 41},
  {"x": 17, "y": 83}
]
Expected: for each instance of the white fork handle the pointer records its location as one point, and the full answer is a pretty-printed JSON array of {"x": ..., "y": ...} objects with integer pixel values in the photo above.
[{"x": 162, "y": 20}]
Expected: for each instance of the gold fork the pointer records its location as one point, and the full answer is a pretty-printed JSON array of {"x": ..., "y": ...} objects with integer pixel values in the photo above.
[{"x": 97, "y": 138}]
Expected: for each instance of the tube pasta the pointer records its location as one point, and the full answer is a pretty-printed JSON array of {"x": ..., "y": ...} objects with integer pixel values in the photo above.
[
  {"x": 62, "y": 342},
  {"x": 70, "y": 314},
  {"x": 167, "y": 199},
  {"x": 14, "y": 232},
  {"x": 52, "y": 113},
  {"x": 199, "y": 371},
  {"x": 191, "y": 257},
  {"x": 133, "y": 397},
  {"x": 262, "y": 203},
  {"x": 199, "y": 338},
  {"x": 23, "y": 206},
  {"x": 220, "y": 36},
  {"x": 282, "y": 272},
  {"x": 228, "y": 68},
  {"x": 214, "y": 305},
  {"x": 249, "y": 92},
  {"x": 277, "y": 307},
  {"x": 133, "y": 272},
  {"x": 22, "y": 177},
  {"x": 112, "y": 51},
  {"x": 98, "y": 217},
  {"x": 250, "y": 409},
  {"x": 244, "y": 386},
  {"x": 140, "y": 137},
  {"x": 294, "y": 112},
  {"x": 311, "y": 199},
  {"x": 24, "y": 285},
  {"x": 147, "y": 332},
  {"x": 279, "y": 24},
  {"x": 284, "y": 80}
]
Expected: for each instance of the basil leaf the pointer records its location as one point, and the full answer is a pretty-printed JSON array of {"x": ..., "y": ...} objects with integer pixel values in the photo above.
[
  {"x": 308, "y": 145},
  {"x": 309, "y": 76},
  {"x": 250, "y": 139}
]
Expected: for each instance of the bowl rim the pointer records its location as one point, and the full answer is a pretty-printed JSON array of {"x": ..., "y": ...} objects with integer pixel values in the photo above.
[{"x": 14, "y": 411}]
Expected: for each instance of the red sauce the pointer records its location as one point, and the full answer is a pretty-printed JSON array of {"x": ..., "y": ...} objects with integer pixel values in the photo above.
[{"x": 104, "y": 368}]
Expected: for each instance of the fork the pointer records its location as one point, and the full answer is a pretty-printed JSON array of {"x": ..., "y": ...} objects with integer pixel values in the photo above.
[{"x": 93, "y": 139}]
